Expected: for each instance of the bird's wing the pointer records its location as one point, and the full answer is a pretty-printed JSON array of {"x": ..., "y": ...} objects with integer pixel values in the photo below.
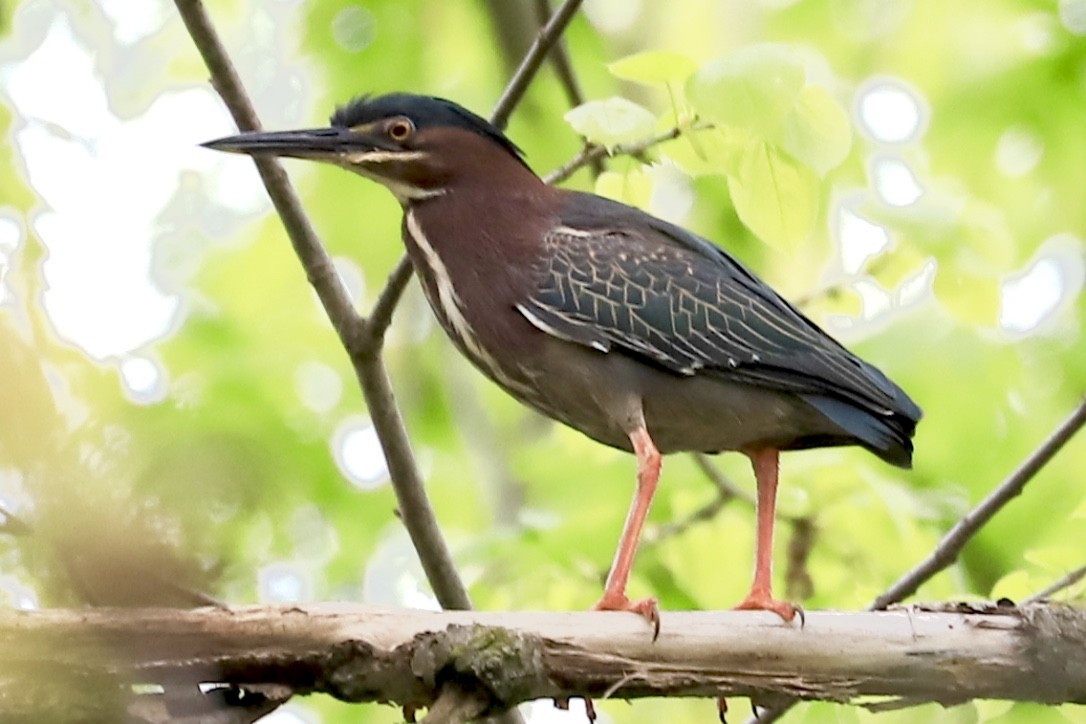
[{"x": 618, "y": 279}]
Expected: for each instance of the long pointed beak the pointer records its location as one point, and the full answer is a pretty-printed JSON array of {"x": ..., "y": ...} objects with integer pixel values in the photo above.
[{"x": 313, "y": 143}]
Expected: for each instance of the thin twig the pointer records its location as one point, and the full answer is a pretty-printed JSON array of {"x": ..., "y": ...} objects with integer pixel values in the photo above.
[
  {"x": 563, "y": 68},
  {"x": 952, "y": 543},
  {"x": 547, "y": 37},
  {"x": 726, "y": 491},
  {"x": 700, "y": 515},
  {"x": 724, "y": 485},
  {"x": 381, "y": 316},
  {"x": 417, "y": 514},
  {"x": 1069, "y": 580},
  {"x": 591, "y": 153}
]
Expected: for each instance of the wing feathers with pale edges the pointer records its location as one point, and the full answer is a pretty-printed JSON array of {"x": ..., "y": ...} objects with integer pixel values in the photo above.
[{"x": 616, "y": 278}]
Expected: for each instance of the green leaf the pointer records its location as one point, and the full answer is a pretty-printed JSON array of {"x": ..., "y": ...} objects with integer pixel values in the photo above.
[
  {"x": 754, "y": 87},
  {"x": 633, "y": 188},
  {"x": 817, "y": 131},
  {"x": 654, "y": 67},
  {"x": 1017, "y": 585},
  {"x": 709, "y": 151},
  {"x": 893, "y": 266},
  {"x": 1060, "y": 557},
  {"x": 776, "y": 197},
  {"x": 611, "y": 122}
]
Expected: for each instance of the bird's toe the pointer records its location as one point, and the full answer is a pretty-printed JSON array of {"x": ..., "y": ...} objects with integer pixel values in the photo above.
[
  {"x": 786, "y": 610},
  {"x": 646, "y": 607}
]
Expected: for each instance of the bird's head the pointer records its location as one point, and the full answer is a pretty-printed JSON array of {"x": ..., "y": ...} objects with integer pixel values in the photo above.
[{"x": 417, "y": 146}]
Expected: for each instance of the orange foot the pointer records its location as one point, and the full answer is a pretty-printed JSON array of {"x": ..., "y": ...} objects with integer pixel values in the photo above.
[
  {"x": 765, "y": 602},
  {"x": 646, "y": 607}
]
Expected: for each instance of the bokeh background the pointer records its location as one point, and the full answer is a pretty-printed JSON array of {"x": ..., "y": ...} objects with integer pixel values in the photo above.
[{"x": 176, "y": 415}]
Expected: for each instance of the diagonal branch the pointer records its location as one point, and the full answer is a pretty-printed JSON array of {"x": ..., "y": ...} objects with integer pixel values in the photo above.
[
  {"x": 381, "y": 316},
  {"x": 547, "y": 37},
  {"x": 1066, "y": 582},
  {"x": 563, "y": 67},
  {"x": 363, "y": 338},
  {"x": 952, "y": 543},
  {"x": 318, "y": 265},
  {"x": 415, "y": 510},
  {"x": 726, "y": 492}
]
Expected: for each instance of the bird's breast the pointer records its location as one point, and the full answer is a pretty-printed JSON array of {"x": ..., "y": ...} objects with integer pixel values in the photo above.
[{"x": 460, "y": 305}]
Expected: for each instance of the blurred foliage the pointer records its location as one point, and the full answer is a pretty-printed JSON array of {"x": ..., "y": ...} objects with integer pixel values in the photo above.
[{"x": 228, "y": 478}]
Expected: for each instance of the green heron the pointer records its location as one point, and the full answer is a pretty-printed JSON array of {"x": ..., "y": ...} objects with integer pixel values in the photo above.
[{"x": 634, "y": 331}]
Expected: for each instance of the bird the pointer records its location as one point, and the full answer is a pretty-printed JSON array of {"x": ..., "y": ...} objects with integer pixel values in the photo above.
[{"x": 635, "y": 331}]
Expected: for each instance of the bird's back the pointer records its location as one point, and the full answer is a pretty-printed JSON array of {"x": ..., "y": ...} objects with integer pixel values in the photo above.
[{"x": 624, "y": 282}]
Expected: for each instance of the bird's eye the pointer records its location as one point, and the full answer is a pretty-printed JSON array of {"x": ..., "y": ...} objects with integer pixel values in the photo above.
[{"x": 400, "y": 129}]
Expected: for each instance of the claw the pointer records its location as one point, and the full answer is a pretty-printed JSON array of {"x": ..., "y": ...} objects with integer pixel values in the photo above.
[
  {"x": 722, "y": 709},
  {"x": 646, "y": 607},
  {"x": 787, "y": 611}
]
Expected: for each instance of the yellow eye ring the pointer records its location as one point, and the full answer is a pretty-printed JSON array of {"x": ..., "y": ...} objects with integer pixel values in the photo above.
[{"x": 400, "y": 129}]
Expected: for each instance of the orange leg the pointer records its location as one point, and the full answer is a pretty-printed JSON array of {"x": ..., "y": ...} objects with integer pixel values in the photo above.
[
  {"x": 760, "y": 598},
  {"x": 614, "y": 591}
]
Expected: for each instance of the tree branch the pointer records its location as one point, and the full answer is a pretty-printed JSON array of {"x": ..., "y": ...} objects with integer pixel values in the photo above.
[
  {"x": 952, "y": 543},
  {"x": 591, "y": 153},
  {"x": 563, "y": 68},
  {"x": 726, "y": 491},
  {"x": 1066, "y": 582},
  {"x": 381, "y": 316},
  {"x": 318, "y": 265},
  {"x": 417, "y": 514},
  {"x": 547, "y": 37},
  {"x": 496, "y": 660}
]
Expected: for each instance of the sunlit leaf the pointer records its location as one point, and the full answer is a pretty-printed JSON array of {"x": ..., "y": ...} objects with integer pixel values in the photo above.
[
  {"x": 633, "y": 187},
  {"x": 893, "y": 267},
  {"x": 817, "y": 131},
  {"x": 612, "y": 121},
  {"x": 1061, "y": 558},
  {"x": 654, "y": 67},
  {"x": 1017, "y": 585},
  {"x": 709, "y": 151},
  {"x": 775, "y": 196},
  {"x": 754, "y": 87}
]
